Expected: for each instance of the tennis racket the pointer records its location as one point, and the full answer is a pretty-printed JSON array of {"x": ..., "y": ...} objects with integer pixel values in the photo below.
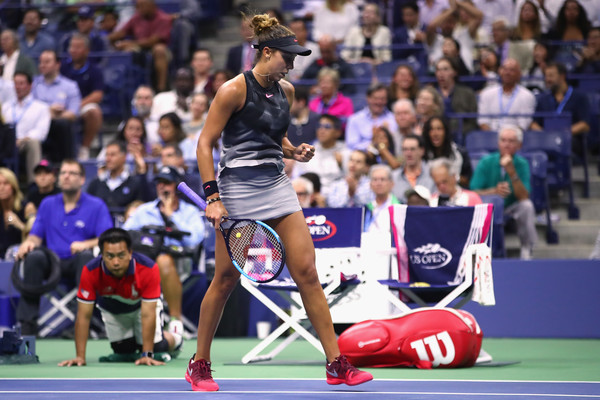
[{"x": 253, "y": 246}]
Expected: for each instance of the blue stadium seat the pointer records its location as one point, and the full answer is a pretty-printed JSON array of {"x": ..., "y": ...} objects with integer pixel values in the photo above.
[
  {"x": 557, "y": 146},
  {"x": 538, "y": 166},
  {"x": 478, "y": 141},
  {"x": 363, "y": 73},
  {"x": 475, "y": 156}
]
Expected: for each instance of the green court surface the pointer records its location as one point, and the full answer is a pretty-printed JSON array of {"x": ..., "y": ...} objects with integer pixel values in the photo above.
[{"x": 538, "y": 360}]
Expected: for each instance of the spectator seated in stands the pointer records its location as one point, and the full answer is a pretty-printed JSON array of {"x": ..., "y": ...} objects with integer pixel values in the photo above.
[
  {"x": 411, "y": 32},
  {"x": 377, "y": 217},
  {"x": 448, "y": 192},
  {"x": 142, "y": 102},
  {"x": 487, "y": 68},
  {"x": 418, "y": 196},
  {"x": 148, "y": 30},
  {"x": 13, "y": 226},
  {"x": 457, "y": 98},
  {"x": 133, "y": 134},
  {"x": 170, "y": 131},
  {"x": 404, "y": 84},
  {"x": 90, "y": 81},
  {"x": 64, "y": 98},
  {"x": 439, "y": 144},
  {"x": 14, "y": 59},
  {"x": 86, "y": 27},
  {"x": 168, "y": 211},
  {"x": 590, "y": 54},
  {"x": 330, "y": 58},
  {"x": 441, "y": 33},
  {"x": 414, "y": 171},
  {"x": 109, "y": 19},
  {"x": 68, "y": 224},
  {"x": 506, "y": 49},
  {"x": 563, "y": 98},
  {"x": 330, "y": 100},
  {"x": 354, "y": 189},
  {"x": 202, "y": 64},
  {"x": 298, "y": 26},
  {"x": 370, "y": 42},
  {"x": 429, "y": 104},
  {"x": 240, "y": 57},
  {"x": 572, "y": 23},
  {"x": 126, "y": 286},
  {"x": 192, "y": 128},
  {"x": 508, "y": 98},
  {"x": 31, "y": 118},
  {"x": 303, "y": 122},
  {"x": 331, "y": 153},
  {"x": 359, "y": 130},
  {"x": 33, "y": 40},
  {"x": 304, "y": 190},
  {"x": 541, "y": 58},
  {"x": 528, "y": 27},
  {"x": 44, "y": 185},
  {"x": 177, "y": 100},
  {"x": 335, "y": 18},
  {"x": 506, "y": 174},
  {"x": 116, "y": 184}
]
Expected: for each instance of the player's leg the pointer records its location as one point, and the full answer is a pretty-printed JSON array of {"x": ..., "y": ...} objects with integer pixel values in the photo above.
[
  {"x": 300, "y": 260},
  {"x": 226, "y": 277}
]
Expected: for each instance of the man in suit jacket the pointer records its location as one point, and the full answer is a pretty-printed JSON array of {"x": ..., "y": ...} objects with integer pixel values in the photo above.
[{"x": 241, "y": 57}]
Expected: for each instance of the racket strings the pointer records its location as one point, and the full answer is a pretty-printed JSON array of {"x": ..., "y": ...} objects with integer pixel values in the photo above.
[{"x": 255, "y": 249}]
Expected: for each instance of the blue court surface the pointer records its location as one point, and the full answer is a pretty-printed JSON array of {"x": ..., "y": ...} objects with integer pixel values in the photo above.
[{"x": 174, "y": 389}]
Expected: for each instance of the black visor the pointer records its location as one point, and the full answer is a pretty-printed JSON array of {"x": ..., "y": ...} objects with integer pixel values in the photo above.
[{"x": 288, "y": 44}]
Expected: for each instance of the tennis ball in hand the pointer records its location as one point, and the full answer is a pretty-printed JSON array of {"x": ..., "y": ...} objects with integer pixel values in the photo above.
[{"x": 237, "y": 235}]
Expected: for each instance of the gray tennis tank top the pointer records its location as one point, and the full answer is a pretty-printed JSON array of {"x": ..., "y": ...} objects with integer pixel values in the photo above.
[{"x": 253, "y": 134}]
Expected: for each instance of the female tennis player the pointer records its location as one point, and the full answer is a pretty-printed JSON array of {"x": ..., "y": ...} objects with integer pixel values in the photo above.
[{"x": 252, "y": 113}]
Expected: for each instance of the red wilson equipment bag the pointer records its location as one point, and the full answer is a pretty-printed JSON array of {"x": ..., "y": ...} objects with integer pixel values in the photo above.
[{"x": 425, "y": 338}]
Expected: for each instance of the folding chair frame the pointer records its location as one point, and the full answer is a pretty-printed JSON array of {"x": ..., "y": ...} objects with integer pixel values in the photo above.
[
  {"x": 459, "y": 290},
  {"x": 297, "y": 319}
]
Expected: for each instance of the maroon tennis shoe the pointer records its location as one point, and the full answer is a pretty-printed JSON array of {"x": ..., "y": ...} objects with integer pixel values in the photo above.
[
  {"x": 341, "y": 371},
  {"x": 199, "y": 374}
]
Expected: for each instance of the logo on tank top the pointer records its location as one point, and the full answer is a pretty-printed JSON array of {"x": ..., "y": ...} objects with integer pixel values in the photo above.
[{"x": 269, "y": 95}]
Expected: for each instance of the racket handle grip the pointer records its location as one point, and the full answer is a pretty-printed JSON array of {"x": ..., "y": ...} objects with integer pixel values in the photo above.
[{"x": 193, "y": 196}]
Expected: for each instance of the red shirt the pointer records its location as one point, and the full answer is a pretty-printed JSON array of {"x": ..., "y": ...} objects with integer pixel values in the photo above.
[
  {"x": 120, "y": 295},
  {"x": 142, "y": 28}
]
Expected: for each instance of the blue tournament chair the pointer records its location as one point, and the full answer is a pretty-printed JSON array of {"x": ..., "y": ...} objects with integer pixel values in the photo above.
[
  {"x": 481, "y": 141},
  {"x": 538, "y": 167},
  {"x": 337, "y": 237},
  {"x": 557, "y": 146},
  {"x": 445, "y": 260}
]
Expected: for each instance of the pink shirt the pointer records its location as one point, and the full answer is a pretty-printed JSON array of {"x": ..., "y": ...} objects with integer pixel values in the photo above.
[{"x": 339, "y": 106}]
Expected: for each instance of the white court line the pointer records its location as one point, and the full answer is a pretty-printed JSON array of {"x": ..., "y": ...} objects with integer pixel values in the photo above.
[
  {"x": 337, "y": 393},
  {"x": 296, "y": 379}
]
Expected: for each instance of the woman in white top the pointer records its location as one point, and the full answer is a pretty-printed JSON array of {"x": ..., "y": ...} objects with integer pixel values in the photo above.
[
  {"x": 370, "y": 42},
  {"x": 335, "y": 19}
]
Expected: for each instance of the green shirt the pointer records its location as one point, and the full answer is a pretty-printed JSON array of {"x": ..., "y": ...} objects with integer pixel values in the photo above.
[{"x": 489, "y": 173}]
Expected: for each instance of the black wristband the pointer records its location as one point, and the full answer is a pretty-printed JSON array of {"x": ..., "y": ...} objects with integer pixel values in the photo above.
[
  {"x": 148, "y": 354},
  {"x": 210, "y": 188}
]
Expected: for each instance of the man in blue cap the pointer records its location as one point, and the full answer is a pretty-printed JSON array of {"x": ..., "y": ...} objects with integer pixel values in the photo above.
[
  {"x": 86, "y": 26},
  {"x": 167, "y": 210}
]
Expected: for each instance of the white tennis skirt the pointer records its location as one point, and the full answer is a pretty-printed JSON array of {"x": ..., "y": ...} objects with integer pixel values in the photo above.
[{"x": 259, "y": 192}]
